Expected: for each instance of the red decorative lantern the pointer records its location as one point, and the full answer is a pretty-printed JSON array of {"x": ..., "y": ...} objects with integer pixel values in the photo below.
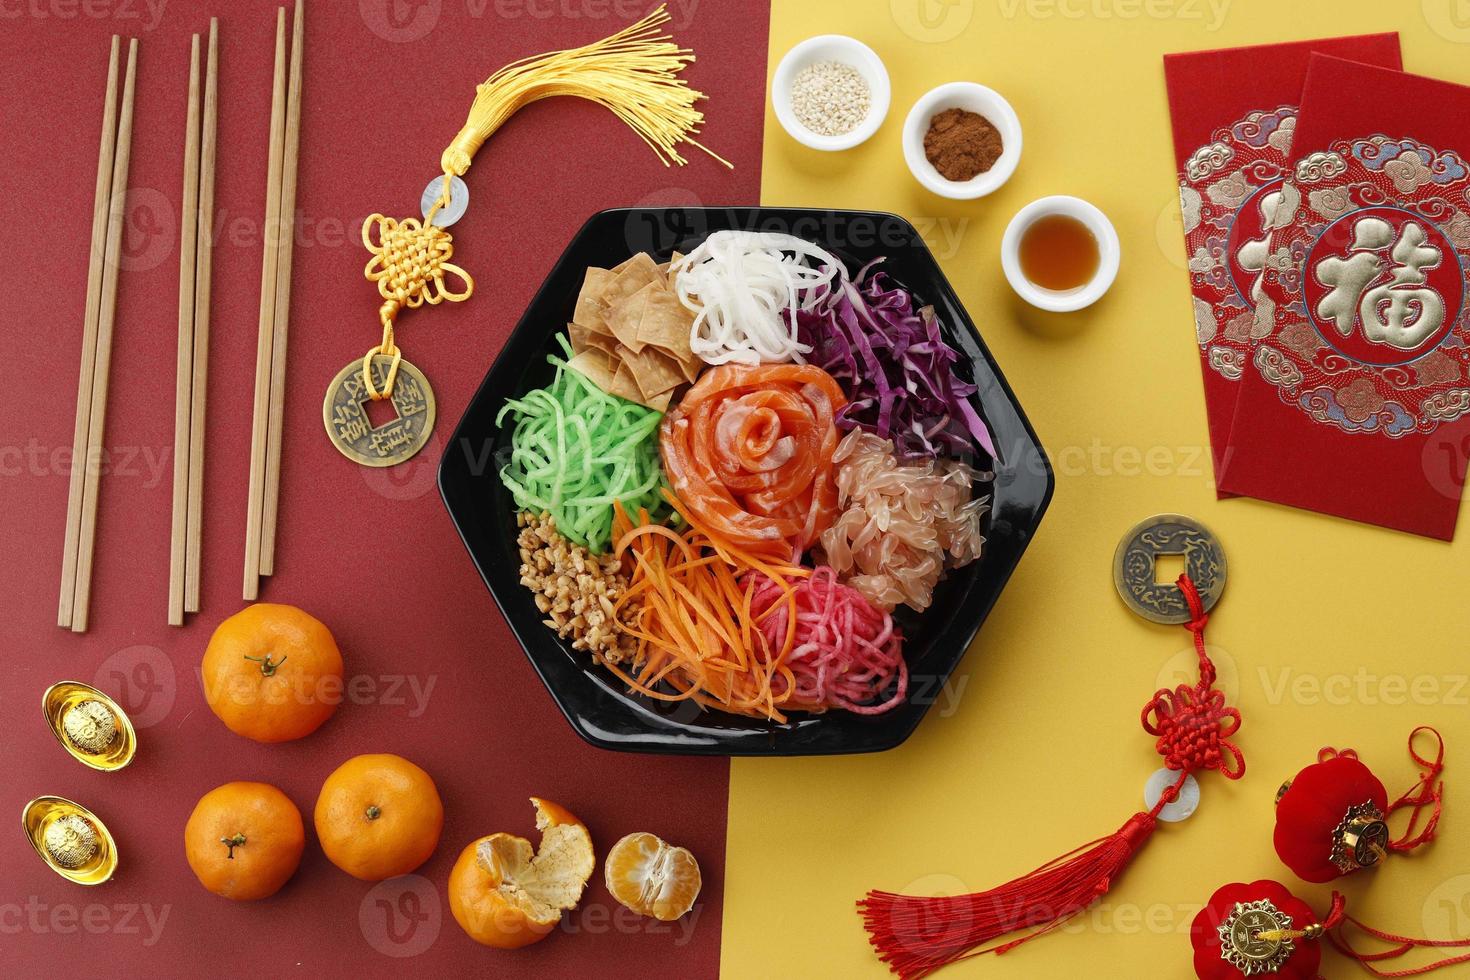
[
  {"x": 1261, "y": 930},
  {"x": 1332, "y": 819},
  {"x": 1242, "y": 933}
]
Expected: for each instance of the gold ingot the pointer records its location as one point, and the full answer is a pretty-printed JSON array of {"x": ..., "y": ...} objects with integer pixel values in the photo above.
[
  {"x": 89, "y": 725},
  {"x": 70, "y": 839}
]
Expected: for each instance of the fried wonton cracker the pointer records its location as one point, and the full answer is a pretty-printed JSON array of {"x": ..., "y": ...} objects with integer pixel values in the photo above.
[
  {"x": 624, "y": 385},
  {"x": 597, "y": 367},
  {"x": 591, "y": 308},
  {"x": 626, "y": 313},
  {"x": 585, "y": 338},
  {"x": 630, "y": 332},
  {"x": 654, "y": 371},
  {"x": 634, "y": 275}
]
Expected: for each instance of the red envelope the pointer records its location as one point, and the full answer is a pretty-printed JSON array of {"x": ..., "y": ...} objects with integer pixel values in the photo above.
[
  {"x": 1233, "y": 112},
  {"x": 1359, "y": 404}
]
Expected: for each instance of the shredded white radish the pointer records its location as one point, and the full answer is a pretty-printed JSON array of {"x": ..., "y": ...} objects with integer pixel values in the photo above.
[{"x": 745, "y": 288}]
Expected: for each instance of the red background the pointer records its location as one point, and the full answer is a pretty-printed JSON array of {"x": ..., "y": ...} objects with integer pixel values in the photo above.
[{"x": 371, "y": 553}]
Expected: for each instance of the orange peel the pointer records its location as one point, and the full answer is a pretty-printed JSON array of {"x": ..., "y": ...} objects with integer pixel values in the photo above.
[{"x": 507, "y": 894}]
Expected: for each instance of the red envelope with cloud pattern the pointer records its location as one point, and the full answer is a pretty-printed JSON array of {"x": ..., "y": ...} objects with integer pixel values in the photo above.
[
  {"x": 1359, "y": 404},
  {"x": 1233, "y": 112}
]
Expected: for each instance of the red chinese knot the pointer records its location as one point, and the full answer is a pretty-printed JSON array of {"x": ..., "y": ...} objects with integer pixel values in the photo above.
[{"x": 1192, "y": 724}]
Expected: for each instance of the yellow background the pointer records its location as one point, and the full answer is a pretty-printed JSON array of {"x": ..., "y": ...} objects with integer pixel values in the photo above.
[{"x": 1329, "y": 632}]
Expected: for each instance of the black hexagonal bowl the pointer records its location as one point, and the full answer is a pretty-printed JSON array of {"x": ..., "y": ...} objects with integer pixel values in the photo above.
[{"x": 594, "y": 702}]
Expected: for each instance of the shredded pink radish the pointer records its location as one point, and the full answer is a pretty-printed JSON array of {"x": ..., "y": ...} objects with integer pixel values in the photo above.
[{"x": 846, "y": 653}]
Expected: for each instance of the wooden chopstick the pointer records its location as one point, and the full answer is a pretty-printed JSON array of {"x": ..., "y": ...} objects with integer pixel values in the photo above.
[
  {"x": 184, "y": 364},
  {"x": 107, "y": 310},
  {"x": 282, "y": 309},
  {"x": 263, "y": 354},
  {"x": 203, "y": 273},
  {"x": 101, "y": 208}
]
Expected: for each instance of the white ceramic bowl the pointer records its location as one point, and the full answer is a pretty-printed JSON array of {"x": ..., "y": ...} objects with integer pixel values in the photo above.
[
  {"x": 1061, "y": 301},
  {"x": 848, "y": 51},
  {"x": 974, "y": 98}
]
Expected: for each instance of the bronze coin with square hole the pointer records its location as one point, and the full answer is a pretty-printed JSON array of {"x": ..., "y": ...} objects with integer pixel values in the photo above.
[
  {"x": 344, "y": 411},
  {"x": 1135, "y": 570}
]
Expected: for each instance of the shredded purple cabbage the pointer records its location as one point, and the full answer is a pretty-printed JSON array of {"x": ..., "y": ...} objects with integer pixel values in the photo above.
[{"x": 894, "y": 367}]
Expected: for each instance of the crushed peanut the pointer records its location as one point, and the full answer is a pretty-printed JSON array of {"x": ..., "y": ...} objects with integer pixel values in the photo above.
[{"x": 576, "y": 590}]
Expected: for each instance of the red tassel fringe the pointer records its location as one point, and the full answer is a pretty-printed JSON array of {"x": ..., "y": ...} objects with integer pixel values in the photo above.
[
  {"x": 1336, "y": 925},
  {"x": 916, "y": 936},
  {"x": 1428, "y": 794}
]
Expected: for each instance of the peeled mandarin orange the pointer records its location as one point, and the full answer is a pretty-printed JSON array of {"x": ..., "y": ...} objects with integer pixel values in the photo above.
[
  {"x": 272, "y": 673},
  {"x": 379, "y": 816},
  {"x": 506, "y": 894},
  {"x": 652, "y": 878},
  {"x": 244, "y": 840}
]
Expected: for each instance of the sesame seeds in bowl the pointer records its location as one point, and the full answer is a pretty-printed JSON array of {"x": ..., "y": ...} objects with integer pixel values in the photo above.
[
  {"x": 830, "y": 92},
  {"x": 830, "y": 98}
]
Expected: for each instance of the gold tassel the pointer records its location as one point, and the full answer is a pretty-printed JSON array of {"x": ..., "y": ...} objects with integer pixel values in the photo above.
[{"x": 634, "y": 73}]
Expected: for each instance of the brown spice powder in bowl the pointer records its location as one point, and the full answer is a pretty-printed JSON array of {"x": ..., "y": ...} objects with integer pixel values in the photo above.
[{"x": 962, "y": 144}]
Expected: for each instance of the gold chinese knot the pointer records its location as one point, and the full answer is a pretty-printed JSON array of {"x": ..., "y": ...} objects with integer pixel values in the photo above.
[{"x": 410, "y": 262}]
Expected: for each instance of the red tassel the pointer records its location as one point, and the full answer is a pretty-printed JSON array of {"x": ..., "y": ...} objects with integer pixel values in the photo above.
[
  {"x": 1337, "y": 921},
  {"x": 916, "y": 936},
  {"x": 1401, "y": 946},
  {"x": 1427, "y": 793}
]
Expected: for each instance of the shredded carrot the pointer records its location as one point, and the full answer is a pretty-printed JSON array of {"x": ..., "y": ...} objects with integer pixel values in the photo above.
[{"x": 697, "y": 639}]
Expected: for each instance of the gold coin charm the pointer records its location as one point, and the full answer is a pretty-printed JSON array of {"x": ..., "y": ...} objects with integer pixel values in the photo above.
[
  {"x": 70, "y": 839},
  {"x": 344, "y": 412},
  {"x": 91, "y": 726},
  {"x": 1251, "y": 938}
]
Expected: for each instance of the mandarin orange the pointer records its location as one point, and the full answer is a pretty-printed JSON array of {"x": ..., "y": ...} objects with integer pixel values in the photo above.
[
  {"x": 244, "y": 840},
  {"x": 272, "y": 673},
  {"x": 506, "y": 894},
  {"x": 379, "y": 816}
]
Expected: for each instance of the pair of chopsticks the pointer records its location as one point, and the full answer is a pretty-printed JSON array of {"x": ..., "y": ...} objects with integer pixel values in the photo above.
[
  {"x": 195, "y": 264},
  {"x": 108, "y": 217},
  {"x": 275, "y": 309}
]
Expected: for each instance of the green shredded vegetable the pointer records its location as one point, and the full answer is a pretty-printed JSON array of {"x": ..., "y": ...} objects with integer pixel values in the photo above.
[{"x": 576, "y": 449}]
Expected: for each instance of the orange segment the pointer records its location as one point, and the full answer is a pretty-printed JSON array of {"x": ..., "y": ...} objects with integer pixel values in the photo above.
[
  {"x": 506, "y": 894},
  {"x": 651, "y": 877}
]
